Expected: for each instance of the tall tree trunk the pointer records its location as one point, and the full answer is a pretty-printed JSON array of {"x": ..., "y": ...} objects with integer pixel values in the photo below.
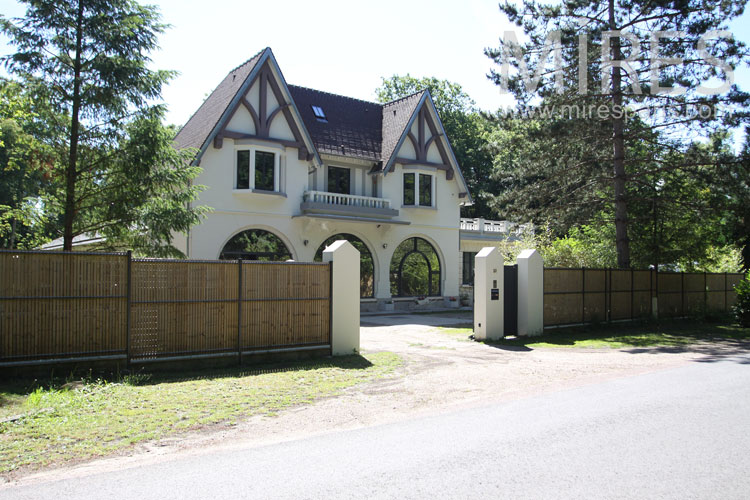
[
  {"x": 71, "y": 173},
  {"x": 618, "y": 141}
]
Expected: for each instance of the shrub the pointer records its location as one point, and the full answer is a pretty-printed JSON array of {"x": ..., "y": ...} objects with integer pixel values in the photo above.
[{"x": 742, "y": 306}]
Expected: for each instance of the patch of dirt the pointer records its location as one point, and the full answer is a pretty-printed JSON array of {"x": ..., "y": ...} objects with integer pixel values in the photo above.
[{"x": 440, "y": 373}]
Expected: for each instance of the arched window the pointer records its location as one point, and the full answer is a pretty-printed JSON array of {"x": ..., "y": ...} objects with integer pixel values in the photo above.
[
  {"x": 366, "y": 265},
  {"x": 255, "y": 244},
  {"x": 415, "y": 269}
]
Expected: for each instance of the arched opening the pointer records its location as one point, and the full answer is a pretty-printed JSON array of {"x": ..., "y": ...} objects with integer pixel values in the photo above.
[
  {"x": 255, "y": 244},
  {"x": 366, "y": 264},
  {"x": 415, "y": 269}
]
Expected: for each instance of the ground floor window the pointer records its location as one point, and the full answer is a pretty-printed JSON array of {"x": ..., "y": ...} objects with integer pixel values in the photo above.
[
  {"x": 468, "y": 270},
  {"x": 366, "y": 265},
  {"x": 415, "y": 269},
  {"x": 256, "y": 244}
]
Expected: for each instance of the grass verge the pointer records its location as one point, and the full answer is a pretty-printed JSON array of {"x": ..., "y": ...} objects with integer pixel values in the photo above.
[
  {"x": 52, "y": 423},
  {"x": 670, "y": 334}
]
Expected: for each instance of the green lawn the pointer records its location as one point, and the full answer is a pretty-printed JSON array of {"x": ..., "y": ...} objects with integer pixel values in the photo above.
[
  {"x": 52, "y": 424},
  {"x": 671, "y": 334}
]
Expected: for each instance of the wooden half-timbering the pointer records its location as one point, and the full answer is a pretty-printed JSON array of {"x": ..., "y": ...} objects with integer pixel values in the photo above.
[
  {"x": 263, "y": 118},
  {"x": 422, "y": 143}
]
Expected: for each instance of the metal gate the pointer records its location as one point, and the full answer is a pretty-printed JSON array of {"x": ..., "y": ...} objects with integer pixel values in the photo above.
[{"x": 510, "y": 301}]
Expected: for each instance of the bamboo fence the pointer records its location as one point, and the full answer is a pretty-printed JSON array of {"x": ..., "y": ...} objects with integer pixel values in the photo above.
[
  {"x": 80, "y": 305},
  {"x": 586, "y": 295}
]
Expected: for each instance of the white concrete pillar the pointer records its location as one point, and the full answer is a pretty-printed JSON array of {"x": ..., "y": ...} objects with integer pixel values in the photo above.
[
  {"x": 488, "y": 294},
  {"x": 345, "y": 296},
  {"x": 530, "y": 293}
]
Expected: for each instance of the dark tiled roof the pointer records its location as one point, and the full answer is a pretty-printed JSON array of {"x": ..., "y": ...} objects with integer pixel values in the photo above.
[
  {"x": 352, "y": 127},
  {"x": 396, "y": 115},
  {"x": 194, "y": 133},
  {"x": 355, "y": 128}
]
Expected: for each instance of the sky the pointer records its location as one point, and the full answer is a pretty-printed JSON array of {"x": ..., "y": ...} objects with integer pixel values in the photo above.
[{"x": 343, "y": 47}]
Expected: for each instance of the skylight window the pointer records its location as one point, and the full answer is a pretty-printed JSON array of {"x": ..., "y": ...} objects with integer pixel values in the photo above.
[{"x": 319, "y": 114}]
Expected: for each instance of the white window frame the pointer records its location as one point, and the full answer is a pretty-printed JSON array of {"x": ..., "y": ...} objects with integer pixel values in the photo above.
[
  {"x": 417, "y": 172},
  {"x": 251, "y": 184}
]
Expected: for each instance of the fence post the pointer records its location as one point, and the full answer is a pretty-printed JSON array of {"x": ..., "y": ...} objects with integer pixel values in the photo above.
[
  {"x": 705, "y": 293},
  {"x": 127, "y": 315},
  {"x": 344, "y": 259},
  {"x": 632, "y": 293},
  {"x": 530, "y": 293},
  {"x": 682, "y": 292},
  {"x": 489, "y": 276},
  {"x": 239, "y": 310},
  {"x": 583, "y": 295},
  {"x": 726, "y": 283},
  {"x": 607, "y": 292}
]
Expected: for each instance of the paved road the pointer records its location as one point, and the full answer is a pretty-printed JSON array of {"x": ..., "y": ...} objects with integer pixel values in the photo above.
[{"x": 679, "y": 433}]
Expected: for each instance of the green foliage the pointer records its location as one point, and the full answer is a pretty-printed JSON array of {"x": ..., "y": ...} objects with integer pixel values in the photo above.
[
  {"x": 366, "y": 264},
  {"x": 465, "y": 127},
  {"x": 113, "y": 172},
  {"x": 573, "y": 166},
  {"x": 584, "y": 246},
  {"x": 256, "y": 244},
  {"x": 418, "y": 266},
  {"x": 25, "y": 162},
  {"x": 741, "y": 308}
]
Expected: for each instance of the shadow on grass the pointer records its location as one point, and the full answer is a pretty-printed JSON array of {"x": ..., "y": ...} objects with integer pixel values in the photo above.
[
  {"x": 145, "y": 376},
  {"x": 646, "y": 336}
]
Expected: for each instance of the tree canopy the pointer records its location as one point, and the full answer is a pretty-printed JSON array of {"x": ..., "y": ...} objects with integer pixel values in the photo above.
[
  {"x": 666, "y": 66},
  {"x": 114, "y": 172}
]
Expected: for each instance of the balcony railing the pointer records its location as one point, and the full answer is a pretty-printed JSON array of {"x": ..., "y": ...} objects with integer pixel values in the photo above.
[
  {"x": 349, "y": 200},
  {"x": 494, "y": 227}
]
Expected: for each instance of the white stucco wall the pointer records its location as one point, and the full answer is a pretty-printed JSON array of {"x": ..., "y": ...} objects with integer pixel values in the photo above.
[{"x": 237, "y": 210}]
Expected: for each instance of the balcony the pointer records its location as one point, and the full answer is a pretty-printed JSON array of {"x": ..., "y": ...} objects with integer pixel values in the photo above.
[
  {"x": 493, "y": 229},
  {"x": 346, "y": 205}
]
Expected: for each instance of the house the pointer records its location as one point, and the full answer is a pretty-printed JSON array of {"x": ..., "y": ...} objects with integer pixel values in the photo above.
[{"x": 288, "y": 170}]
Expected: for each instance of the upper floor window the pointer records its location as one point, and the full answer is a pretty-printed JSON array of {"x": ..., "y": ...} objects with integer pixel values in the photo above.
[
  {"x": 425, "y": 190},
  {"x": 257, "y": 170},
  {"x": 265, "y": 171},
  {"x": 418, "y": 189},
  {"x": 339, "y": 180}
]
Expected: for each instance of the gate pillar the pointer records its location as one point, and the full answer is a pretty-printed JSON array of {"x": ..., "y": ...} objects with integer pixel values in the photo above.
[
  {"x": 530, "y": 293},
  {"x": 344, "y": 259},
  {"x": 488, "y": 294}
]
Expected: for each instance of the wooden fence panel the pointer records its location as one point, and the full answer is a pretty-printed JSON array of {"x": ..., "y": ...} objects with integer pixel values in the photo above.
[
  {"x": 669, "y": 289},
  {"x": 694, "y": 293},
  {"x": 56, "y": 304},
  {"x": 285, "y": 304},
  {"x": 715, "y": 292},
  {"x": 620, "y": 286},
  {"x": 595, "y": 295},
  {"x": 183, "y": 308},
  {"x": 732, "y": 280},
  {"x": 642, "y": 294},
  {"x": 573, "y": 296},
  {"x": 563, "y": 302}
]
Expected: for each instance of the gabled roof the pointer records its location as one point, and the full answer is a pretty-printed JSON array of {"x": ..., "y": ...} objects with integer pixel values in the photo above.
[
  {"x": 218, "y": 108},
  {"x": 398, "y": 116},
  {"x": 197, "y": 129},
  {"x": 352, "y": 126}
]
